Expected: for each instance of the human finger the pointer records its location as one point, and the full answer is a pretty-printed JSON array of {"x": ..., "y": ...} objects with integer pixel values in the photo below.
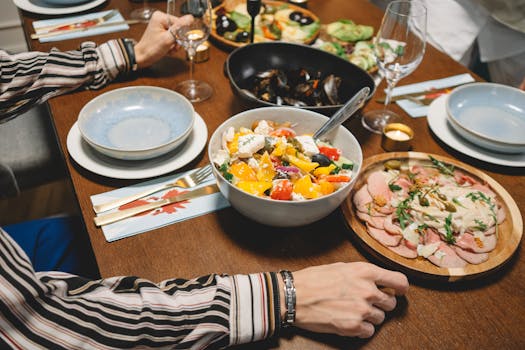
[
  {"x": 392, "y": 279},
  {"x": 177, "y": 22},
  {"x": 385, "y": 301},
  {"x": 375, "y": 316},
  {"x": 366, "y": 330}
]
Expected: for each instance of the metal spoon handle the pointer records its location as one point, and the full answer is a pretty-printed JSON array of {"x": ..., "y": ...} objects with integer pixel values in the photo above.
[{"x": 343, "y": 113}]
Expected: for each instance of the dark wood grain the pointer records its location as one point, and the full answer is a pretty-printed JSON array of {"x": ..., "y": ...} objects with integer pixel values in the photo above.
[{"x": 488, "y": 313}]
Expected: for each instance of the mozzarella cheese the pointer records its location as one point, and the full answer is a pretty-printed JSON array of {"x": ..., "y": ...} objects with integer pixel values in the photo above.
[
  {"x": 249, "y": 144},
  {"x": 308, "y": 145}
]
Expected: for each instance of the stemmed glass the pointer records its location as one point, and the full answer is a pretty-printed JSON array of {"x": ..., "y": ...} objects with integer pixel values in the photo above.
[
  {"x": 143, "y": 13},
  {"x": 399, "y": 47},
  {"x": 190, "y": 37}
]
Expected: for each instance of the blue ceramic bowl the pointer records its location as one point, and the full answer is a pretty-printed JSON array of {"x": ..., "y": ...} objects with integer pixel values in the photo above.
[
  {"x": 489, "y": 115},
  {"x": 136, "y": 123},
  {"x": 66, "y": 2}
]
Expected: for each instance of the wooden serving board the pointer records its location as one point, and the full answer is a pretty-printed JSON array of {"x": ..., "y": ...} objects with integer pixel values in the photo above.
[
  {"x": 509, "y": 232},
  {"x": 233, "y": 44}
]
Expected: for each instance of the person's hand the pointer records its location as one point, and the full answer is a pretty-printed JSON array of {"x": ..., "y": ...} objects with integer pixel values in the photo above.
[
  {"x": 345, "y": 298},
  {"x": 522, "y": 85},
  {"x": 157, "y": 41}
]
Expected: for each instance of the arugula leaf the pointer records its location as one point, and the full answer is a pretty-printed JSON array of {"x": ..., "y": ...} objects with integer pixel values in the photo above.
[
  {"x": 442, "y": 167},
  {"x": 481, "y": 225},
  {"x": 402, "y": 213},
  {"x": 449, "y": 237},
  {"x": 394, "y": 187}
]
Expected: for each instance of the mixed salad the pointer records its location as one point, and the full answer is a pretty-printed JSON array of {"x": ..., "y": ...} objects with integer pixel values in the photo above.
[
  {"x": 276, "y": 21},
  {"x": 271, "y": 161}
]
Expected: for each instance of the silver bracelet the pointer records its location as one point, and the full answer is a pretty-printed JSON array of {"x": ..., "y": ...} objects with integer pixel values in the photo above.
[{"x": 289, "y": 298}]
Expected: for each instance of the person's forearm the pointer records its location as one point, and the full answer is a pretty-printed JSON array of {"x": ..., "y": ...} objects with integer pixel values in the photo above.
[{"x": 30, "y": 78}]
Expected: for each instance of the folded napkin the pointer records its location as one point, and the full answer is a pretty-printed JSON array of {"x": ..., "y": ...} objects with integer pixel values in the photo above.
[
  {"x": 160, "y": 217},
  {"x": 416, "y": 110},
  {"x": 82, "y": 33}
]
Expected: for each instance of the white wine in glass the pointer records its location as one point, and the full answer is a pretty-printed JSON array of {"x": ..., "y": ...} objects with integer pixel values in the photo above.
[
  {"x": 190, "y": 37},
  {"x": 399, "y": 47}
]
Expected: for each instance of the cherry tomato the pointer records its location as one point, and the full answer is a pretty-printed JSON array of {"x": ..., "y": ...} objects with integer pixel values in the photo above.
[{"x": 282, "y": 190}]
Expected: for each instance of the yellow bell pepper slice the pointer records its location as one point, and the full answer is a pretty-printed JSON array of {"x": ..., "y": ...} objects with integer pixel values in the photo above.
[
  {"x": 243, "y": 171},
  {"x": 266, "y": 171},
  {"x": 255, "y": 187},
  {"x": 326, "y": 187},
  {"x": 306, "y": 188},
  {"x": 324, "y": 170},
  {"x": 302, "y": 164},
  {"x": 279, "y": 149}
]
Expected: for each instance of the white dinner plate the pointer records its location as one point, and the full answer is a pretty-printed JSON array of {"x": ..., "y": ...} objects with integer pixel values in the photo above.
[
  {"x": 437, "y": 120},
  {"x": 96, "y": 162},
  {"x": 45, "y": 8}
]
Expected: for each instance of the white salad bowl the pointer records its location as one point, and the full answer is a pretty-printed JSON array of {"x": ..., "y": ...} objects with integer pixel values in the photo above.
[
  {"x": 136, "y": 123},
  {"x": 287, "y": 213}
]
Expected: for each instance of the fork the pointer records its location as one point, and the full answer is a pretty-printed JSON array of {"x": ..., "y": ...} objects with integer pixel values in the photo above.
[{"x": 187, "y": 181}]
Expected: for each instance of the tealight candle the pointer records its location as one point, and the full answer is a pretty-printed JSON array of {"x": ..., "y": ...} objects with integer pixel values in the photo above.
[
  {"x": 202, "y": 53},
  {"x": 397, "y": 137}
]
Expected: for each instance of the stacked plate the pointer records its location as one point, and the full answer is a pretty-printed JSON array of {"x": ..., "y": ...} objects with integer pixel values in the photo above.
[
  {"x": 483, "y": 120},
  {"x": 135, "y": 128}
]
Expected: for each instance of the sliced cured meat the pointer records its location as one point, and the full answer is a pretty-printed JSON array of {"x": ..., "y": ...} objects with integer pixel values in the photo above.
[
  {"x": 470, "y": 257},
  {"x": 362, "y": 200},
  {"x": 403, "y": 182},
  {"x": 375, "y": 221},
  {"x": 431, "y": 236},
  {"x": 377, "y": 185},
  {"x": 403, "y": 250},
  {"x": 483, "y": 188},
  {"x": 383, "y": 237},
  {"x": 482, "y": 244},
  {"x": 424, "y": 174},
  {"x": 446, "y": 257},
  {"x": 462, "y": 179},
  {"x": 500, "y": 215},
  {"x": 390, "y": 227}
]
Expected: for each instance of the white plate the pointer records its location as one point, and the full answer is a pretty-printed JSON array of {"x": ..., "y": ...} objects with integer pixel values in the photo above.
[
  {"x": 437, "y": 120},
  {"x": 103, "y": 165},
  {"x": 44, "y": 8}
]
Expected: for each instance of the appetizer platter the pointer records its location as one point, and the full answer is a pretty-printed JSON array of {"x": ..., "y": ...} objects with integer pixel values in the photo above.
[
  {"x": 277, "y": 21},
  {"x": 432, "y": 216}
]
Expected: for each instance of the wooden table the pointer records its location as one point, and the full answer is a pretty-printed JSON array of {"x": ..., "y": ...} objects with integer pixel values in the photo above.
[{"x": 484, "y": 314}]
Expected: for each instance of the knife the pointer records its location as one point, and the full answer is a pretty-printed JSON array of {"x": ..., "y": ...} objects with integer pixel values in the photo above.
[
  {"x": 76, "y": 24},
  {"x": 67, "y": 31},
  {"x": 419, "y": 94},
  {"x": 106, "y": 219}
]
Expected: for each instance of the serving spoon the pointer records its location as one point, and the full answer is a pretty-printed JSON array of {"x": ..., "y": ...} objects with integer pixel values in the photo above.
[{"x": 343, "y": 113}]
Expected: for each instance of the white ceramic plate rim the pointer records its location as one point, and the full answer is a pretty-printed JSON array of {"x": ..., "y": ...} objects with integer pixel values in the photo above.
[
  {"x": 27, "y": 5},
  {"x": 438, "y": 123},
  {"x": 97, "y": 163}
]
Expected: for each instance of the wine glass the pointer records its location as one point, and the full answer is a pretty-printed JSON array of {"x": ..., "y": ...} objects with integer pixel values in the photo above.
[
  {"x": 190, "y": 37},
  {"x": 399, "y": 47},
  {"x": 143, "y": 13}
]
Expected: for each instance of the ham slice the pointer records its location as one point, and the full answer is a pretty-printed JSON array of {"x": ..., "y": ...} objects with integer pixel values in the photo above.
[
  {"x": 500, "y": 215},
  {"x": 390, "y": 227},
  {"x": 377, "y": 186},
  {"x": 472, "y": 258},
  {"x": 375, "y": 221},
  {"x": 403, "y": 250},
  {"x": 446, "y": 257},
  {"x": 363, "y": 200},
  {"x": 383, "y": 237},
  {"x": 482, "y": 244}
]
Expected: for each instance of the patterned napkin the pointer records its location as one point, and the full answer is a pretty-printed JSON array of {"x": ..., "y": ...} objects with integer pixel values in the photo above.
[
  {"x": 83, "y": 33},
  {"x": 160, "y": 217},
  {"x": 416, "y": 110}
]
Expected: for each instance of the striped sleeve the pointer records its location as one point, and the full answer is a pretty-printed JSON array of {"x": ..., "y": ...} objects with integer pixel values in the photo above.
[
  {"x": 30, "y": 78},
  {"x": 62, "y": 311}
]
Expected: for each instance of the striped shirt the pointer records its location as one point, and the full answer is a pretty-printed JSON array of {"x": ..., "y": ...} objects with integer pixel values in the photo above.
[
  {"x": 30, "y": 78},
  {"x": 58, "y": 310}
]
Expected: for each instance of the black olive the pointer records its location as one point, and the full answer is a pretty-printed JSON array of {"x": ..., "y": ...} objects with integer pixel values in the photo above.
[
  {"x": 224, "y": 24},
  {"x": 296, "y": 16},
  {"x": 305, "y": 20},
  {"x": 242, "y": 37},
  {"x": 321, "y": 159}
]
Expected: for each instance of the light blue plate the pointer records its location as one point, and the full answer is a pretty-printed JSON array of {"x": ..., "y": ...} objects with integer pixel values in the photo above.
[
  {"x": 136, "y": 123},
  {"x": 489, "y": 115}
]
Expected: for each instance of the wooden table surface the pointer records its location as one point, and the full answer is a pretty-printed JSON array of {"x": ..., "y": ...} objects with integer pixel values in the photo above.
[{"x": 487, "y": 313}]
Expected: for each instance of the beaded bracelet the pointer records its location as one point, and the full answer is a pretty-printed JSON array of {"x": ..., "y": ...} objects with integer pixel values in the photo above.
[{"x": 289, "y": 298}]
